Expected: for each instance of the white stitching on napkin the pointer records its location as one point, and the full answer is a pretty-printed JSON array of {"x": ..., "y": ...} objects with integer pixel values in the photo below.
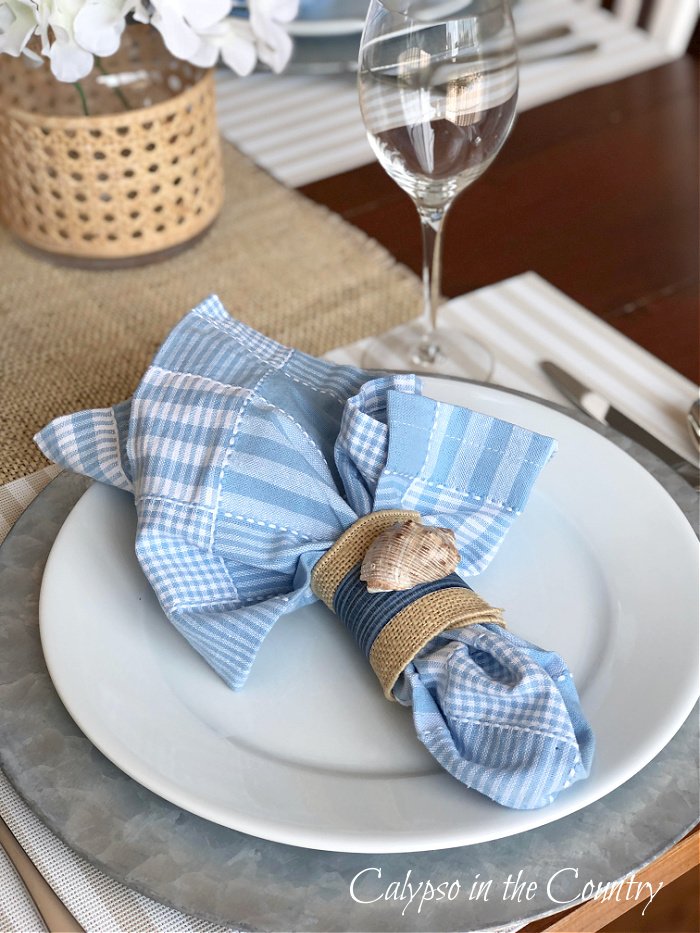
[
  {"x": 254, "y": 521},
  {"x": 556, "y": 736},
  {"x": 272, "y": 366},
  {"x": 281, "y": 411},
  {"x": 229, "y": 328},
  {"x": 215, "y": 604},
  {"x": 460, "y": 438},
  {"x": 224, "y": 464},
  {"x": 463, "y": 492},
  {"x": 309, "y": 385},
  {"x": 190, "y": 506}
]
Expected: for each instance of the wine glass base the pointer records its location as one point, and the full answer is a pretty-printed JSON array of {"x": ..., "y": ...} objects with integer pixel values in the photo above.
[{"x": 459, "y": 354}]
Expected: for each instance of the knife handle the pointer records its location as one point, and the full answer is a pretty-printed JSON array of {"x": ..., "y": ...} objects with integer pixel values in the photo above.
[{"x": 56, "y": 916}]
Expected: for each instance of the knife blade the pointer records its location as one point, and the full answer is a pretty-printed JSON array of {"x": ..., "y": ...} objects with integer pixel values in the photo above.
[{"x": 598, "y": 407}]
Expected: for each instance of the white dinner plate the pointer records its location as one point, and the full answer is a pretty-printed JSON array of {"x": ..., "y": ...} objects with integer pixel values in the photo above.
[
  {"x": 329, "y": 18},
  {"x": 323, "y": 18},
  {"x": 601, "y": 567}
]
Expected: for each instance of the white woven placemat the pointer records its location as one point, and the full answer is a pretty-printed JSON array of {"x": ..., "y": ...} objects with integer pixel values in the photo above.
[
  {"x": 302, "y": 129},
  {"x": 524, "y": 319}
]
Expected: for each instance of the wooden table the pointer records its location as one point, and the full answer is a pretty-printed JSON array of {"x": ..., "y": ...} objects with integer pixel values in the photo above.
[{"x": 598, "y": 193}]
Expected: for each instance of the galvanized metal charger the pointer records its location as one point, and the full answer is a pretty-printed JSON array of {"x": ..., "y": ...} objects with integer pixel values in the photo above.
[{"x": 238, "y": 880}]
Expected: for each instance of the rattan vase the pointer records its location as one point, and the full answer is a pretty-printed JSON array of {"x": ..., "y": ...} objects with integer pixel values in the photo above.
[{"x": 137, "y": 178}]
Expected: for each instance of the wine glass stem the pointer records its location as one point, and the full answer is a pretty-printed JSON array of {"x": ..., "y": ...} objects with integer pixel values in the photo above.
[{"x": 432, "y": 220}]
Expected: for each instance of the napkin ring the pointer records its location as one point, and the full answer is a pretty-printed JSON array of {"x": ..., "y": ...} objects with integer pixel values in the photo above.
[{"x": 391, "y": 626}]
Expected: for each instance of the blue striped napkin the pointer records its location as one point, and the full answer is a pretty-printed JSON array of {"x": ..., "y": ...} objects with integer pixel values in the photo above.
[{"x": 247, "y": 460}]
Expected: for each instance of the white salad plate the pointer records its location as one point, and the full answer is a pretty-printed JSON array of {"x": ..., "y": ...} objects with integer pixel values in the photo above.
[{"x": 601, "y": 567}]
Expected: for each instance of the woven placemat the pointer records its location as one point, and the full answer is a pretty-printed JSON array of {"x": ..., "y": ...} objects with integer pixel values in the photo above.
[{"x": 72, "y": 338}]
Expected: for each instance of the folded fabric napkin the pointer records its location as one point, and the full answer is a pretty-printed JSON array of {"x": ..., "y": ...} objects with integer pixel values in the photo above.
[{"x": 256, "y": 469}]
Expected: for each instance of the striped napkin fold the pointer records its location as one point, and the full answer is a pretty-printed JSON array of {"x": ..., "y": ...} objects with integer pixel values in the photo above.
[{"x": 250, "y": 461}]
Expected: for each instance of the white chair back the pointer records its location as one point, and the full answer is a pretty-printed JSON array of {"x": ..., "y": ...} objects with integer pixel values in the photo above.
[{"x": 669, "y": 22}]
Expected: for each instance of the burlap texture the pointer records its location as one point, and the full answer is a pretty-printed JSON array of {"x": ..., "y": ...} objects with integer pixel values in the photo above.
[
  {"x": 403, "y": 636},
  {"x": 73, "y": 338},
  {"x": 411, "y": 629},
  {"x": 350, "y": 549}
]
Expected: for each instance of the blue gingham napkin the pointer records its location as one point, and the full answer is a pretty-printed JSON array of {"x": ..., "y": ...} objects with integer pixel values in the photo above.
[{"x": 247, "y": 460}]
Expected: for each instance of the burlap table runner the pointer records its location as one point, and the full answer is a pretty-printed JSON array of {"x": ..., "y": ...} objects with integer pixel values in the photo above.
[{"x": 71, "y": 338}]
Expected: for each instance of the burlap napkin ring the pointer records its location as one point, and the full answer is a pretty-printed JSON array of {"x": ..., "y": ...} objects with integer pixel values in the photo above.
[{"x": 392, "y": 626}]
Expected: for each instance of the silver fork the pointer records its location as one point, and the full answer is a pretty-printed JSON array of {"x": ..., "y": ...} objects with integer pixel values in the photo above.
[{"x": 56, "y": 916}]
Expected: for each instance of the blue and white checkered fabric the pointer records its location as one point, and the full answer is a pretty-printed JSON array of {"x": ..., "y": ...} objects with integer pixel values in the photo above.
[
  {"x": 500, "y": 714},
  {"x": 247, "y": 460}
]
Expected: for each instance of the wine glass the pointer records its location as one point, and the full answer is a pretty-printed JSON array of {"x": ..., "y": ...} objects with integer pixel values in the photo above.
[{"x": 438, "y": 83}]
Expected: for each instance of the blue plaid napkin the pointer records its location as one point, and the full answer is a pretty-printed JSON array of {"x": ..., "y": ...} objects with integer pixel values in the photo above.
[{"x": 248, "y": 459}]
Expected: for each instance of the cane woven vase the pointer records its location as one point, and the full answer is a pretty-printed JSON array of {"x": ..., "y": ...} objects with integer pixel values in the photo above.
[{"x": 137, "y": 177}]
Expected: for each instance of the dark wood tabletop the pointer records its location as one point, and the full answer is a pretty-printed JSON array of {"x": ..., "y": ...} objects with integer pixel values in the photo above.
[{"x": 598, "y": 193}]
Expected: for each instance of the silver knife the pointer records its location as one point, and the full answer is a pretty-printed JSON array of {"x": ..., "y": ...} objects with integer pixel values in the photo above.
[
  {"x": 598, "y": 407},
  {"x": 338, "y": 53}
]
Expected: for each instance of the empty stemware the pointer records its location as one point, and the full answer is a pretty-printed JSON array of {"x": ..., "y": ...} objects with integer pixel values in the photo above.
[{"x": 438, "y": 84}]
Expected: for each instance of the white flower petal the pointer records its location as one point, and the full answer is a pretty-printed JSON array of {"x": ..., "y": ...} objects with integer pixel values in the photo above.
[
  {"x": 17, "y": 23},
  {"x": 141, "y": 11},
  {"x": 205, "y": 13},
  {"x": 238, "y": 52},
  {"x": 99, "y": 25},
  {"x": 206, "y": 55},
  {"x": 43, "y": 27},
  {"x": 35, "y": 60},
  {"x": 62, "y": 12},
  {"x": 273, "y": 42},
  {"x": 68, "y": 61},
  {"x": 179, "y": 38}
]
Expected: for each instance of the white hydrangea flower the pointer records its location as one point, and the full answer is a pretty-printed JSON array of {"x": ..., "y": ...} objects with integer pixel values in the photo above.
[
  {"x": 272, "y": 40},
  {"x": 204, "y": 31},
  {"x": 72, "y": 32},
  {"x": 18, "y": 22},
  {"x": 231, "y": 39}
]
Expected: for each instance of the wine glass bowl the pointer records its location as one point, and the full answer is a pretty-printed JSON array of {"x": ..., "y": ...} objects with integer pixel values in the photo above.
[{"x": 438, "y": 84}]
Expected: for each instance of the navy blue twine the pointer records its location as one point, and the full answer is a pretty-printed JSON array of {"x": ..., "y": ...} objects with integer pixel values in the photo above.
[{"x": 365, "y": 614}]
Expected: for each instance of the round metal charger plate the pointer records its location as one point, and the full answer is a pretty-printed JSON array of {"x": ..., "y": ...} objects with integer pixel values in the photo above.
[{"x": 238, "y": 880}]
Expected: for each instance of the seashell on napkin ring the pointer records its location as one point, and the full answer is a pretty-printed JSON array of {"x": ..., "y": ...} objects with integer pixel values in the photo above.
[
  {"x": 406, "y": 554},
  {"x": 391, "y": 625}
]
